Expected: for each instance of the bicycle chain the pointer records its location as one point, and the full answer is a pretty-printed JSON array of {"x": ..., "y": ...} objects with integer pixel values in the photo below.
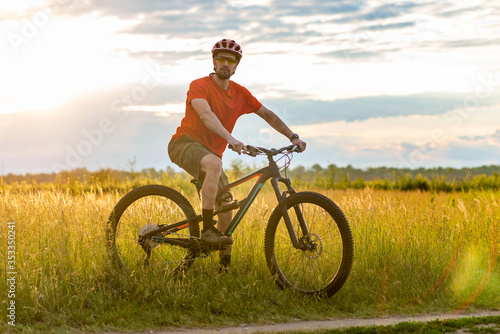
[{"x": 202, "y": 251}]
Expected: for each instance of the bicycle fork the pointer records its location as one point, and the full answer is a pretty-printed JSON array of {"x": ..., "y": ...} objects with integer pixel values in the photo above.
[{"x": 306, "y": 243}]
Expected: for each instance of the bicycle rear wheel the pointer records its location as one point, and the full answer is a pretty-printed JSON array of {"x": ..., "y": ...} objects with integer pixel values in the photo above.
[
  {"x": 323, "y": 268},
  {"x": 142, "y": 210}
]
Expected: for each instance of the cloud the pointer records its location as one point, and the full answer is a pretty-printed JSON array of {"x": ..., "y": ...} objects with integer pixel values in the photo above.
[
  {"x": 251, "y": 23},
  {"x": 357, "y": 25},
  {"x": 92, "y": 131},
  {"x": 397, "y": 154},
  {"x": 496, "y": 136},
  {"x": 362, "y": 108},
  {"x": 356, "y": 54},
  {"x": 467, "y": 43},
  {"x": 305, "y": 8},
  {"x": 311, "y": 35},
  {"x": 468, "y": 155},
  {"x": 389, "y": 26},
  {"x": 371, "y": 131},
  {"x": 492, "y": 139},
  {"x": 189, "y": 24},
  {"x": 379, "y": 13},
  {"x": 131, "y": 8},
  {"x": 460, "y": 11},
  {"x": 107, "y": 141}
]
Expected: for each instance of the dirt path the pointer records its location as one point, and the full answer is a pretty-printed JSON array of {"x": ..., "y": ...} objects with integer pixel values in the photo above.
[{"x": 323, "y": 324}]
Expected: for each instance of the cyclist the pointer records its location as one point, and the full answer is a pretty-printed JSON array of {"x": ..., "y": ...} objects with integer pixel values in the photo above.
[{"x": 213, "y": 105}]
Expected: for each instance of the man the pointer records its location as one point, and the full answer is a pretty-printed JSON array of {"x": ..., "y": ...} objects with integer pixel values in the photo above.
[{"x": 213, "y": 105}]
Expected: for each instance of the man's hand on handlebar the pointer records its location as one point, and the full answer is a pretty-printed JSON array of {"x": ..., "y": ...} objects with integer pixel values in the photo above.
[
  {"x": 237, "y": 146},
  {"x": 300, "y": 143},
  {"x": 253, "y": 151}
]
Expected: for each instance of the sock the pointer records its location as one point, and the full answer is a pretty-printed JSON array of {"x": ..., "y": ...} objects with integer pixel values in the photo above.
[{"x": 208, "y": 218}]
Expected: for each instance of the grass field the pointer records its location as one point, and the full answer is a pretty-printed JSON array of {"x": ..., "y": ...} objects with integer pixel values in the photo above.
[
  {"x": 415, "y": 252},
  {"x": 488, "y": 324}
]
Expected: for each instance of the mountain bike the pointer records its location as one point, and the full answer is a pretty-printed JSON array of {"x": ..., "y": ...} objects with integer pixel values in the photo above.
[{"x": 308, "y": 243}]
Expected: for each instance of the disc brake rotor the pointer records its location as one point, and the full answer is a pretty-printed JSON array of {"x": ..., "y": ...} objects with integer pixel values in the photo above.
[{"x": 315, "y": 247}]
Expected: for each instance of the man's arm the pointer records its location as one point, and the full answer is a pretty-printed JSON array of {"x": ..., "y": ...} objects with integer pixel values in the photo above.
[
  {"x": 207, "y": 116},
  {"x": 276, "y": 123}
]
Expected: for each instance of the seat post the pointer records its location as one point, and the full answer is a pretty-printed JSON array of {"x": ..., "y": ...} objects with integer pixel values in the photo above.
[{"x": 198, "y": 187}]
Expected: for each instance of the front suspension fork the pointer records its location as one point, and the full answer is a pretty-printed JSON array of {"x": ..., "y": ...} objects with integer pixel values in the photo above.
[{"x": 282, "y": 199}]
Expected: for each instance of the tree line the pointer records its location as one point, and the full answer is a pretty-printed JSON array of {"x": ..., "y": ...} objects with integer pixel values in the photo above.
[{"x": 329, "y": 177}]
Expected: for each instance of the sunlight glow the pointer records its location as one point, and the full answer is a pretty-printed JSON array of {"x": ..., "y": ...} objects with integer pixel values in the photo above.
[
  {"x": 62, "y": 61},
  {"x": 176, "y": 108},
  {"x": 469, "y": 272},
  {"x": 18, "y": 5}
]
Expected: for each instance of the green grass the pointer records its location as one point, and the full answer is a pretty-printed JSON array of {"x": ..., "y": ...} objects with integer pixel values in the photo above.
[
  {"x": 490, "y": 324},
  {"x": 415, "y": 253}
]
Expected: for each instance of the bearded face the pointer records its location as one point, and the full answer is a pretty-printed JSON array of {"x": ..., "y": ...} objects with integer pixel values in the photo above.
[{"x": 222, "y": 66}]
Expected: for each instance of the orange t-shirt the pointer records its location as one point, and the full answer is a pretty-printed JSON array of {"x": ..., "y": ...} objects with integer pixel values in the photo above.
[{"x": 227, "y": 105}]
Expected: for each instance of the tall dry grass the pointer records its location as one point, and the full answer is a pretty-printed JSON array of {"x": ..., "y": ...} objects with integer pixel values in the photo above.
[{"x": 415, "y": 252}]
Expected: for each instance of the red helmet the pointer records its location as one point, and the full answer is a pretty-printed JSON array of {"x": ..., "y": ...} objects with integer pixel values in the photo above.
[{"x": 228, "y": 45}]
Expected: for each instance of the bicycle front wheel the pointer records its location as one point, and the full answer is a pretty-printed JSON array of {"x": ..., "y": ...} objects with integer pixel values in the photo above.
[
  {"x": 143, "y": 210},
  {"x": 322, "y": 267}
]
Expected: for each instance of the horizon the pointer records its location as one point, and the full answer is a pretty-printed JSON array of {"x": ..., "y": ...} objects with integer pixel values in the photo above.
[
  {"x": 177, "y": 169},
  {"x": 365, "y": 83}
]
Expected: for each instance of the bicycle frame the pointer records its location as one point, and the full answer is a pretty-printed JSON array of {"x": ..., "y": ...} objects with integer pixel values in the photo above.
[{"x": 269, "y": 172}]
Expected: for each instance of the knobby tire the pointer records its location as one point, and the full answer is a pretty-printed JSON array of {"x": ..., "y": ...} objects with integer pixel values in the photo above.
[
  {"x": 321, "y": 270},
  {"x": 150, "y": 204}
]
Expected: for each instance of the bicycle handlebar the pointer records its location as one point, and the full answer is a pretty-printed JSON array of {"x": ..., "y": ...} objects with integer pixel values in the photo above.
[{"x": 253, "y": 151}]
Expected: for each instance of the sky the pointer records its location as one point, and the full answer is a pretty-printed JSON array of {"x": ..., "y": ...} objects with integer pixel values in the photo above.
[{"x": 102, "y": 84}]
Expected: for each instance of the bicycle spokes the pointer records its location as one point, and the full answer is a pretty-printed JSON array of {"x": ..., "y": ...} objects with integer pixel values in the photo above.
[
  {"x": 323, "y": 258},
  {"x": 134, "y": 222}
]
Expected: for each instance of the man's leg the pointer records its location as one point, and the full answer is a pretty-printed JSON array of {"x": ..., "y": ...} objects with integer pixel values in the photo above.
[{"x": 212, "y": 166}]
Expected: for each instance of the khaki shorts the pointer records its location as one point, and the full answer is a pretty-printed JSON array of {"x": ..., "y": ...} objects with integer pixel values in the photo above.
[{"x": 187, "y": 153}]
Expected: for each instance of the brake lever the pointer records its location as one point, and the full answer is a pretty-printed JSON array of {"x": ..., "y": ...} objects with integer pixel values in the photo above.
[
  {"x": 251, "y": 150},
  {"x": 295, "y": 148}
]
